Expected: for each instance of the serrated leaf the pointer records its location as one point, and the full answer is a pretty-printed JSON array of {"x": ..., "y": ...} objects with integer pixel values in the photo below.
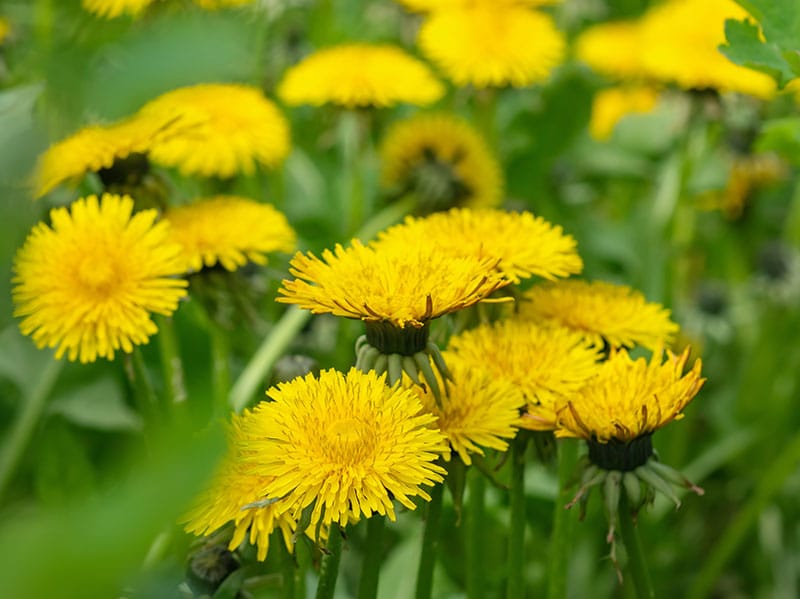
[
  {"x": 779, "y": 19},
  {"x": 745, "y": 47},
  {"x": 99, "y": 405}
]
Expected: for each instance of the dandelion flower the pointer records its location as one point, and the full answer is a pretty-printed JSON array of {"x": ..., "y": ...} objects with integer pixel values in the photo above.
[
  {"x": 230, "y": 230},
  {"x": 604, "y": 313},
  {"x": 611, "y": 105},
  {"x": 478, "y": 411},
  {"x": 406, "y": 287},
  {"x": 522, "y": 244},
  {"x": 357, "y": 75},
  {"x": 226, "y": 129},
  {"x": 110, "y": 9},
  {"x": 613, "y": 49},
  {"x": 87, "y": 283},
  {"x": 492, "y": 46},
  {"x": 442, "y": 161},
  {"x": 348, "y": 444},
  {"x": 548, "y": 365}
]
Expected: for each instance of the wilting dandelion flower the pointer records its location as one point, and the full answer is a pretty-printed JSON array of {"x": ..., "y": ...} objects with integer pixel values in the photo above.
[
  {"x": 480, "y": 234},
  {"x": 492, "y": 46},
  {"x": 110, "y": 9},
  {"x": 226, "y": 129},
  {"x": 440, "y": 160},
  {"x": 616, "y": 315},
  {"x": 356, "y": 75},
  {"x": 347, "y": 445},
  {"x": 230, "y": 230},
  {"x": 88, "y": 282},
  {"x": 610, "y": 105}
]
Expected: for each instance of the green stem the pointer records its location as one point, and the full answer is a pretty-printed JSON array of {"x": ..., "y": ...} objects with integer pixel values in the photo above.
[
  {"x": 430, "y": 543},
  {"x": 220, "y": 368},
  {"x": 476, "y": 520},
  {"x": 373, "y": 554},
  {"x": 516, "y": 540},
  {"x": 353, "y": 161},
  {"x": 561, "y": 541},
  {"x": 637, "y": 566},
  {"x": 329, "y": 570},
  {"x": 171, "y": 363},
  {"x": 289, "y": 570},
  {"x": 143, "y": 390},
  {"x": 31, "y": 410},
  {"x": 735, "y": 533}
]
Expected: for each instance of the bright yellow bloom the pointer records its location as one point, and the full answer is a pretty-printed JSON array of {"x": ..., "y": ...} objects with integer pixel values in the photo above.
[
  {"x": 405, "y": 286},
  {"x": 602, "y": 312},
  {"x": 630, "y": 398},
  {"x": 443, "y": 161},
  {"x": 520, "y": 243},
  {"x": 109, "y": 9},
  {"x": 612, "y": 104},
  {"x": 477, "y": 411},
  {"x": 612, "y": 49},
  {"x": 354, "y": 75},
  {"x": 230, "y": 230},
  {"x": 226, "y": 129},
  {"x": 348, "y": 444},
  {"x": 548, "y": 364},
  {"x": 88, "y": 283},
  {"x": 492, "y": 46}
]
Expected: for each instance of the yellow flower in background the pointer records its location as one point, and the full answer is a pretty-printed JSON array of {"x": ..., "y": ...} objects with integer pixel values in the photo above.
[
  {"x": 87, "y": 283},
  {"x": 5, "y": 29},
  {"x": 357, "y": 75},
  {"x": 226, "y": 129},
  {"x": 521, "y": 244},
  {"x": 603, "y": 312},
  {"x": 230, "y": 230},
  {"x": 492, "y": 46},
  {"x": 443, "y": 161},
  {"x": 628, "y": 399},
  {"x": 610, "y": 105},
  {"x": 613, "y": 49},
  {"x": 548, "y": 364},
  {"x": 109, "y": 9},
  {"x": 405, "y": 286},
  {"x": 477, "y": 411},
  {"x": 347, "y": 444}
]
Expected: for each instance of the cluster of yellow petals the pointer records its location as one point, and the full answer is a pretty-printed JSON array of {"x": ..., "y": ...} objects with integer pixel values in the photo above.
[
  {"x": 88, "y": 283},
  {"x": 347, "y": 444},
  {"x": 612, "y": 48},
  {"x": 523, "y": 245},
  {"x": 228, "y": 230},
  {"x": 630, "y": 398},
  {"x": 356, "y": 75},
  {"x": 412, "y": 143},
  {"x": 110, "y": 9},
  {"x": 610, "y": 105},
  {"x": 602, "y": 312},
  {"x": 406, "y": 286}
]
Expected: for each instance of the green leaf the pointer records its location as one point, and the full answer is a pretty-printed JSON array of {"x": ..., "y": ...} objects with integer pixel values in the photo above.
[
  {"x": 745, "y": 47},
  {"x": 20, "y": 361},
  {"x": 779, "y": 19},
  {"x": 100, "y": 405},
  {"x": 781, "y": 136}
]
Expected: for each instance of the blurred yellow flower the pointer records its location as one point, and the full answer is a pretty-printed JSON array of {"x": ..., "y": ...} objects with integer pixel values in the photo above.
[
  {"x": 5, "y": 29},
  {"x": 347, "y": 444},
  {"x": 88, "y": 283},
  {"x": 230, "y": 230},
  {"x": 109, "y": 9},
  {"x": 602, "y": 312},
  {"x": 628, "y": 399},
  {"x": 492, "y": 46},
  {"x": 442, "y": 161},
  {"x": 612, "y": 49},
  {"x": 612, "y": 104},
  {"x": 226, "y": 129},
  {"x": 481, "y": 234},
  {"x": 355, "y": 75},
  {"x": 405, "y": 286}
]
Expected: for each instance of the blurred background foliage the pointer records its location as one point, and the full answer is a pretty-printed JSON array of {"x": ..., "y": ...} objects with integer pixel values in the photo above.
[{"x": 90, "y": 510}]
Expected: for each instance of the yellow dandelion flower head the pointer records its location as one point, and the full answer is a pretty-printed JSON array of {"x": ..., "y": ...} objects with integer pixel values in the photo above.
[
  {"x": 682, "y": 47},
  {"x": 217, "y": 4},
  {"x": 477, "y": 411},
  {"x": 226, "y": 129},
  {"x": 548, "y": 364},
  {"x": 110, "y": 9},
  {"x": 348, "y": 444},
  {"x": 523, "y": 244},
  {"x": 355, "y": 75},
  {"x": 405, "y": 286},
  {"x": 443, "y": 161},
  {"x": 229, "y": 230},
  {"x": 612, "y": 48},
  {"x": 5, "y": 29},
  {"x": 630, "y": 398},
  {"x": 603, "y": 312},
  {"x": 87, "y": 283},
  {"x": 612, "y": 104},
  {"x": 492, "y": 46}
]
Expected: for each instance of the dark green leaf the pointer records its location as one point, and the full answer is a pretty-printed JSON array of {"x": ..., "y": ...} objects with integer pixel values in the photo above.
[{"x": 99, "y": 405}]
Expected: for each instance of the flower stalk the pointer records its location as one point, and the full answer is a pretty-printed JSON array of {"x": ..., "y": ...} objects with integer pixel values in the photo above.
[
  {"x": 373, "y": 554},
  {"x": 430, "y": 543},
  {"x": 329, "y": 570}
]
